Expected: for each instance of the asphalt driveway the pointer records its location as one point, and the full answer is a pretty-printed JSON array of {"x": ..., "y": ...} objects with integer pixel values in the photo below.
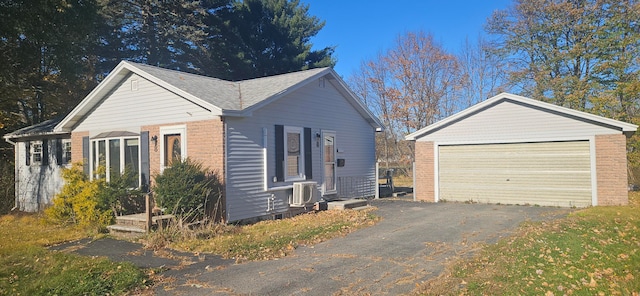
[{"x": 411, "y": 244}]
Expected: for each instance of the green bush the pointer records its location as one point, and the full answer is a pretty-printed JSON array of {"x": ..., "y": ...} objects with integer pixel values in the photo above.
[
  {"x": 120, "y": 196},
  {"x": 188, "y": 191}
]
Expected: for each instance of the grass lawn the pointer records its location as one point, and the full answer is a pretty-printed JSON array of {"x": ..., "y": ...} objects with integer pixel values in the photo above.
[
  {"x": 595, "y": 251},
  {"x": 28, "y": 268}
]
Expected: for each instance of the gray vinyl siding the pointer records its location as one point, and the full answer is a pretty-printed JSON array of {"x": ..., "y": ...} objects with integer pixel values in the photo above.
[
  {"x": 547, "y": 173},
  {"x": 127, "y": 109},
  {"x": 512, "y": 122},
  {"x": 37, "y": 184},
  {"x": 313, "y": 106}
]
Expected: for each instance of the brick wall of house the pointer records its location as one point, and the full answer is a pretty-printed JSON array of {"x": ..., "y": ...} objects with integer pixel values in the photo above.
[
  {"x": 611, "y": 169},
  {"x": 425, "y": 186},
  {"x": 76, "y": 146},
  {"x": 205, "y": 144}
]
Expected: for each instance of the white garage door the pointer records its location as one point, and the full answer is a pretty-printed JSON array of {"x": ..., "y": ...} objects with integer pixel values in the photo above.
[{"x": 549, "y": 173}]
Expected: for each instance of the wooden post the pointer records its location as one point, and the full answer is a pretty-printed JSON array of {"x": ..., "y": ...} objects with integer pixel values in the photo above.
[{"x": 149, "y": 210}]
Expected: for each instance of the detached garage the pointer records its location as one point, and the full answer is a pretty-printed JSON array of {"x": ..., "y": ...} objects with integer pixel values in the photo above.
[{"x": 515, "y": 150}]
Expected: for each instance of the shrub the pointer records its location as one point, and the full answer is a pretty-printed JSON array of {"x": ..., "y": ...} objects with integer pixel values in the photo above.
[
  {"x": 90, "y": 202},
  {"x": 187, "y": 190},
  {"x": 77, "y": 202},
  {"x": 119, "y": 196}
]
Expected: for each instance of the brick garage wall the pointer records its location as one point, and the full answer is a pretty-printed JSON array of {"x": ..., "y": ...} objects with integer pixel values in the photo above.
[
  {"x": 611, "y": 170},
  {"x": 76, "y": 146},
  {"x": 424, "y": 187},
  {"x": 205, "y": 144}
]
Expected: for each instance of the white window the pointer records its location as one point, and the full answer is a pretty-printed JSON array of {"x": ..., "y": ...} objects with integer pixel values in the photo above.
[
  {"x": 116, "y": 155},
  {"x": 294, "y": 153},
  {"x": 66, "y": 151},
  {"x": 36, "y": 152}
]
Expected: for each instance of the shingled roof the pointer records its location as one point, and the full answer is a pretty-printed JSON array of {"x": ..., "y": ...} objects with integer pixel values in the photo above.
[
  {"x": 221, "y": 97},
  {"x": 228, "y": 95},
  {"x": 44, "y": 128}
]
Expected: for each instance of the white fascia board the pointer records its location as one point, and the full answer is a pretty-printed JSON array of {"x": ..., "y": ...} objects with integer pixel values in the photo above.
[
  {"x": 117, "y": 74},
  {"x": 624, "y": 126},
  {"x": 357, "y": 103},
  {"x": 198, "y": 101},
  {"x": 87, "y": 102},
  {"x": 248, "y": 111}
]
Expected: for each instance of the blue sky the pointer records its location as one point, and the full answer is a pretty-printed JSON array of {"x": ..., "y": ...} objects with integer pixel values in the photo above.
[{"x": 360, "y": 29}]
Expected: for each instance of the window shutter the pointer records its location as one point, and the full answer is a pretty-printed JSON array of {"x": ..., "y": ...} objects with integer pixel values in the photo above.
[
  {"x": 59, "y": 151},
  {"x": 145, "y": 168},
  {"x": 279, "y": 153},
  {"x": 45, "y": 152},
  {"x": 308, "y": 170},
  {"x": 27, "y": 147},
  {"x": 85, "y": 156}
]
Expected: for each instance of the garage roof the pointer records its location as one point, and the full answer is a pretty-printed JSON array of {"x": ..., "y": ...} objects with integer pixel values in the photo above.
[{"x": 623, "y": 127}]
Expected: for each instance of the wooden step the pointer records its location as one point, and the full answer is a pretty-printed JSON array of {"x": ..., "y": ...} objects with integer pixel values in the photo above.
[
  {"x": 124, "y": 228},
  {"x": 137, "y": 223}
]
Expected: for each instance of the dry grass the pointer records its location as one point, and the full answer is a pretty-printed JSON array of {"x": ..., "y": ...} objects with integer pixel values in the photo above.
[
  {"x": 634, "y": 198},
  {"x": 21, "y": 230},
  {"x": 266, "y": 239},
  {"x": 28, "y": 268},
  {"x": 594, "y": 251}
]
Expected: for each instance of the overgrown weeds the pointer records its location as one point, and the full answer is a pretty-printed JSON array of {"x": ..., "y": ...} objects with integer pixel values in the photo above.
[
  {"x": 593, "y": 251},
  {"x": 28, "y": 268},
  {"x": 263, "y": 240}
]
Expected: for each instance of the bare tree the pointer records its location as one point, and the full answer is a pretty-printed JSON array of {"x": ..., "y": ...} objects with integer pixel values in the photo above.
[
  {"x": 482, "y": 74},
  {"x": 409, "y": 87}
]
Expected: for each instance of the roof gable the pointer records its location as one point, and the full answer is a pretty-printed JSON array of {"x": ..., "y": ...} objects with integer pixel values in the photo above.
[
  {"x": 220, "y": 97},
  {"x": 508, "y": 116}
]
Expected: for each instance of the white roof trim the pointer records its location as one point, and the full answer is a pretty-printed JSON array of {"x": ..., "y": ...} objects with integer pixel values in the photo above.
[
  {"x": 106, "y": 86},
  {"x": 623, "y": 126},
  {"x": 375, "y": 122},
  {"x": 351, "y": 97},
  {"x": 123, "y": 69}
]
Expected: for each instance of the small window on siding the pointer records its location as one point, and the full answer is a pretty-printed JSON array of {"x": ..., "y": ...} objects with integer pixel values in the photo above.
[
  {"x": 293, "y": 157},
  {"x": 36, "y": 153},
  {"x": 66, "y": 151},
  {"x": 293, "y": 151}
]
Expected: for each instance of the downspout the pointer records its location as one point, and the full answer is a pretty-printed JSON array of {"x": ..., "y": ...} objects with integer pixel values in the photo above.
[{"x": 15, "y": 173}]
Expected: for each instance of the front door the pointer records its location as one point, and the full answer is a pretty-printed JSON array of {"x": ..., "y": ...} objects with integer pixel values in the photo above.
[
  {"x": 329, "y": 159},
  {"x": 172, "y": 148}
]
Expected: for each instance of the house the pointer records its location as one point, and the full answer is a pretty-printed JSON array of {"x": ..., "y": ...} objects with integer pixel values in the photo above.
[
  {"x": 265, "y": 137},
  {"x": 514, "y": 150},
  {"x": 40, "y": 154}
]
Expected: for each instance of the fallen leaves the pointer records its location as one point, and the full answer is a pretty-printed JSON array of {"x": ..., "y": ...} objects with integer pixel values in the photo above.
[{"x": 592, "y": 252}]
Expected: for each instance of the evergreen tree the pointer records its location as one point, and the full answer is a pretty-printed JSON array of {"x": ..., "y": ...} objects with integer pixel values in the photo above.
[
  {"x": 269, "y": 37},
  {"x": 46, "y": 65},
  {"x": 154, "y": 32}
]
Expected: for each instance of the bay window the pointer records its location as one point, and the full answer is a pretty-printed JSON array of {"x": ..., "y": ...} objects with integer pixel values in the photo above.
[{"x": 116, "y": 154}]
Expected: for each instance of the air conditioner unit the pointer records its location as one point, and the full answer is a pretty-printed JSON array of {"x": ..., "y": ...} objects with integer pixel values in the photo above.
[{"x": 303, "y": 193}]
